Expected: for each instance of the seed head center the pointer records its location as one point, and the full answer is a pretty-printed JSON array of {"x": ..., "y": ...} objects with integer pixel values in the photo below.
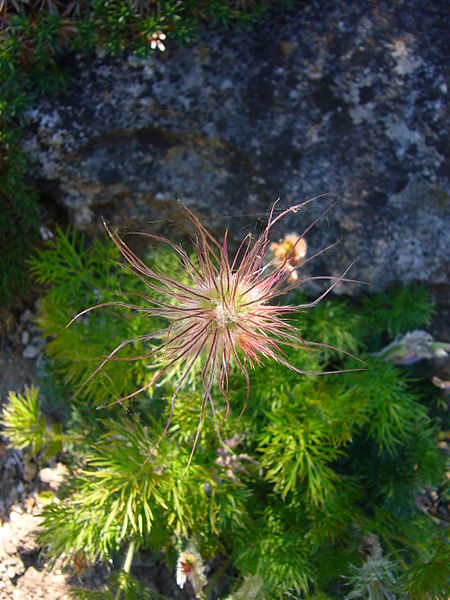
[{"x": 225, "y": 315}]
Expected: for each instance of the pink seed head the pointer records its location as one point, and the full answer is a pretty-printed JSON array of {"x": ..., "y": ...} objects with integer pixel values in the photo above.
[{"x": 219, "y": 312}]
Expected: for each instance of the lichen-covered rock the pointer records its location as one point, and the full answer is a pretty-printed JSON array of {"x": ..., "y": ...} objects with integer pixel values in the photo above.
[{"x": 345, "y": 98}]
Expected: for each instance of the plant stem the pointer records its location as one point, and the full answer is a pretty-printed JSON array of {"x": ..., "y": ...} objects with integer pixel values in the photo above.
[
  {"x": 126, "y": 565},
  {"x": 129, "y": 557}
]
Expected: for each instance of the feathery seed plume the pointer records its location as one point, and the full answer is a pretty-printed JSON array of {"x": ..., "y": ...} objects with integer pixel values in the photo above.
[{"x": 220, "y": 313}]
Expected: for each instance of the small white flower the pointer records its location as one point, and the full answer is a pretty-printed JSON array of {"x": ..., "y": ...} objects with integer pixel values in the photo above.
[
  {"x": 190, "y": 567},
  {"x": 156, "y": 40},
  {"x": 45, "y": 233}
]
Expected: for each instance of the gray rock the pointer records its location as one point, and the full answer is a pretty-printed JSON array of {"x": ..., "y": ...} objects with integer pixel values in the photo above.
[
  {"x": 26, "y": 316},
  {"x": 346, "y": 98},
  {"x": 30, "y": 351},
  {"x": 25, "y": 338}
]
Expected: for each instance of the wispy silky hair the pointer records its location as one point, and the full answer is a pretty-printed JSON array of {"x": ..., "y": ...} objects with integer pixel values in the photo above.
[{"x": 219, "y": 312}]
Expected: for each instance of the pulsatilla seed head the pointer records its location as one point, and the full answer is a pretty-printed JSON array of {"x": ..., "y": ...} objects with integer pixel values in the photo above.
[{"x": 220, "y": 312}]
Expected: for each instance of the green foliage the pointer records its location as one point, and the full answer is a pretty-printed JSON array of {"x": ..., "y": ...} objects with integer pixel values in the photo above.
[
  {"x": 252, "y": 588},
  {"x": 335, "y": 324},
  {"x": 313, "y": 466},
  {"x": 121, "y": 583},
  {"x": 398, "y": 311},
  {"x": 391, "y": 408},
  {"x": 297, "y": 446},
  {"x": 26, "y": 427},
  {"x": 428, "y": 577},
  {"x": 118, "y": 494},
  {"x": 18, "y": 217},
  {"x": 76, "y": 351},
  {"x": 275, "y": 551},
  {"x": 23, "y": 423}
]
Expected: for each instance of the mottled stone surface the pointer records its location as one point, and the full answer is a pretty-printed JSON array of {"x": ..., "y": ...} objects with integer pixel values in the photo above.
[{"x": 346, "y": 98}]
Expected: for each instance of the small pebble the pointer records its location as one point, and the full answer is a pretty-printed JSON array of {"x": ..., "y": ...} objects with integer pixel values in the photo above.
[
  {"x": 29, "y": 470},
  {"x": 30, "y": 352},
  {"x": 10, "y": 463},
  {"x": 54, "y": 476},
  {"x": 14, "y": 516},
  {"x": 13, "y": 496},
  {"x": 11, "y": 572},
  {"x": 25, "y": 337},
  {"x": 29, "y": 504},
  {"x": 26, "y": 316}
]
